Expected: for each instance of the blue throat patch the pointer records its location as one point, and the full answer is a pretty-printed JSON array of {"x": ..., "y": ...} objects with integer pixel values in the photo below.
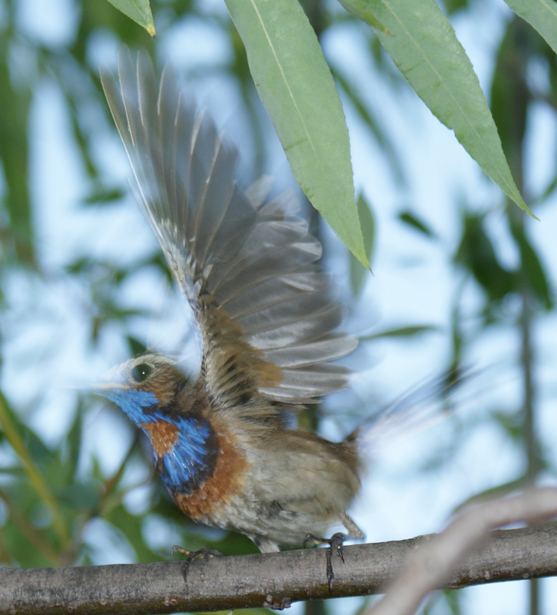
[
  {"x": 131, "y": 401},
  {"x": 192, "y": 459}
]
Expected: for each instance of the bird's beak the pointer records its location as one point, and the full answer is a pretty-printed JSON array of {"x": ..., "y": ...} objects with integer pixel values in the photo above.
[
  {"x": 102, "y": 387},
  {"x": 111, "y": 381}
]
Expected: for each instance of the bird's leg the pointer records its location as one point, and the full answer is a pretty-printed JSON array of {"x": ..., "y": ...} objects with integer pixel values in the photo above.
[
  {"x": 191, "y": 556},
  {"x": 336, "y": 541}
]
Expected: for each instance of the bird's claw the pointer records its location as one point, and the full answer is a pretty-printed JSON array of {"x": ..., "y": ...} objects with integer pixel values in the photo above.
[
  {"x": 336, "y": 541},
  {"x": 191, "y": 556}
]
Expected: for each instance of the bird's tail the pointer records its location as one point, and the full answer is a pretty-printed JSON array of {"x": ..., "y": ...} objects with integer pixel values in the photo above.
[{"x": 418, "y": 408}]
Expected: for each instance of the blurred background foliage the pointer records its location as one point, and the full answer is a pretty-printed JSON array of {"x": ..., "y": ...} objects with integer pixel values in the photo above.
[{"x": 60, "y": 502}]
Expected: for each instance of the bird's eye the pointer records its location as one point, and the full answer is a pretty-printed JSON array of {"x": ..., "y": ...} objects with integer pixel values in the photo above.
[{"x": 141, "y": 372}]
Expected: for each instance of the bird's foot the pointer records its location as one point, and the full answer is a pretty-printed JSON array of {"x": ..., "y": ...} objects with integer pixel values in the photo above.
[
  {"x": 336, "y": 542},
  {"x": 191, "y": 556}
]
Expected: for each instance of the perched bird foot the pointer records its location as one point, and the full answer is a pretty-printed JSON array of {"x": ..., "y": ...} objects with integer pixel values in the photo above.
[
  {"x": 336, "y": 542},
  {"x": 191, "y": 556}
]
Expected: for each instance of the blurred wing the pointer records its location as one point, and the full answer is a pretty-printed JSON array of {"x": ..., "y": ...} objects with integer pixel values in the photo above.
[
  {"x": 420, "y": 407},
  {"x": 267, "y": 320}
]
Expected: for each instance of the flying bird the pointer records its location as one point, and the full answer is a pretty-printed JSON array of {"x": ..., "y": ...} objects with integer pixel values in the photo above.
[{"x": 267, "y": 322}]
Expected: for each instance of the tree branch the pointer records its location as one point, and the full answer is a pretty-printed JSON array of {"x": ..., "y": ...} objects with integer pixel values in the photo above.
[
  {"x": 432, "y": 565},
  {"x": 272, "y": 580}
]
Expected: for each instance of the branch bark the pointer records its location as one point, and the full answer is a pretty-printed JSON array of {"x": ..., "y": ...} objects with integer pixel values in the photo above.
[{"x": 272, "y": 580}]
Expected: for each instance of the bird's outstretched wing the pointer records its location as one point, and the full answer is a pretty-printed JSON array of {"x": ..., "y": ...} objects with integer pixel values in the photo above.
[{"x": 266, "y": 316}]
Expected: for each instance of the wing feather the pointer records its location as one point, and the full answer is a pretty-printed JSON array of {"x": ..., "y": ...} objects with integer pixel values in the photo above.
[{"x": 267, "y": 318}]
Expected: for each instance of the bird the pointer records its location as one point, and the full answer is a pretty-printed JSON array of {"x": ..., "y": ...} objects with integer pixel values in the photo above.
[{"x": 267, "y": 321}]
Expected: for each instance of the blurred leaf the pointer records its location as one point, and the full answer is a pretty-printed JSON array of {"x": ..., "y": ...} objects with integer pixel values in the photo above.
[
  {"x": 240, "y": 68},
  {"x": 364, "y": 607},
  {"x": 423, "y": 44},
  {"x": 452, "y": 6},
  {"x": 361, "y": 10},
  {"x": 541, "y": 14},
  {"x": 131, "y": 526},
  {"x": 81, "y": 496},
  {"x": 234, "y": 543},
  {"x": 532, "y": 267},
  {"x": 457, "y": 341},
  {"x": 13, "y": 470},
  {"x": 96, "y": 471},
  {"x": 31, "y": 444},
  {"x": 73, "y": 445},
  {"x": 14, "y": 103},
  {"x": 5, "y": 556},
  {"x": 136, "y": 347},
  {"x": 102, "y": 196},
  {"x": 511, "y": 424},
  {"x": 296, "y": 87},
  {"x": 26, "y": 544},
  {"x": 35, "y": 478},
  {"x": 100, "y": 15},
  {"x": 357, "y": 272},
  {"x": 476, "y": 254},
  {"x": 451, "y": 598},
  {"x": 75, "y": 99},
  {"x": 375, "y": 127},
  {"x": 415, "y": 223},
  {"x": 109, "y": 497},
  {"x": 159, "y": 261},
  {"x": 401, "y": 332},
  {"x": 79, "y": 266},
  {"x": 509, "y": 84},
  {"x": 164, "y": 506},
  {"x": 29, "y": 545},
  {"x": 544, "y": 196},
  {"x": 137, "y": 10}
]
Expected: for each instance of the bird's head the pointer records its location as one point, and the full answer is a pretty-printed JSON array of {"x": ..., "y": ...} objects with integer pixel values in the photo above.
[
  {"x": 160, "y": 400},
  {"x": 143, "y": 386}
]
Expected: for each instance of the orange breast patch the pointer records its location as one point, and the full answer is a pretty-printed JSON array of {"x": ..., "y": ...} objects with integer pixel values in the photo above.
[
  {"x": 163, "y": 436},
  {"x": 216, "y": 491}
]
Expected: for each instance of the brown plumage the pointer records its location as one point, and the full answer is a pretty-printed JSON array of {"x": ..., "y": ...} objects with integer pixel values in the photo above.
[{"x": 267, "y": 322}]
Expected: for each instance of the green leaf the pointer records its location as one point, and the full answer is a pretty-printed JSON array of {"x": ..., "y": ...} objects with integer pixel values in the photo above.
[
  {"x": 452, "y": 6},
  {"x": 103, "y": 196},
  {"x": 73, "y": 441},
  {"x": 80, "y": 496},
  {"x": 359, "y": 9},
  {"x": 357, "y": 272},
  {"x": 401, "y": 332},
  {"x": 75, "y": 101},
  {"x": 296, "y": 87},
  {"x": 14, "y": 154},
  {"x": 11, "y": 427},
  {"x": 423, "y": 44},
  {"x": 516, "y": 51},
  {"x": 533, "y": 269},
  {"x": 541, "y": 15},
  {"x": 137, "y": 10},
  {"x": 136, "y": 346},
  {"x": 477, "y": 254},
  {"x": 416, "y": 223}
]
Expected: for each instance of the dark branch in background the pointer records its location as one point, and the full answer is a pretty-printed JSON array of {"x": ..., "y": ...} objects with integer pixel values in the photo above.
[{"x": 273, "y": 580}]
